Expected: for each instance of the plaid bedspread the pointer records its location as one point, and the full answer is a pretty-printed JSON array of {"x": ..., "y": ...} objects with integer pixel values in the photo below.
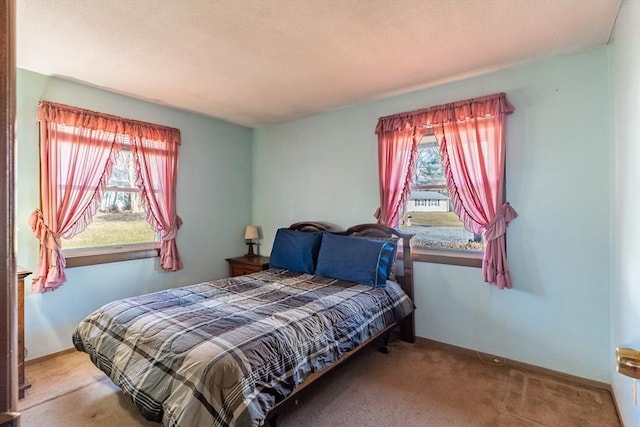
[{"x": 223, "y": 353}]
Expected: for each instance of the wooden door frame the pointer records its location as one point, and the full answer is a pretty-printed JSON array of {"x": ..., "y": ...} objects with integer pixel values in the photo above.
[{"x": 8, "y": 286}]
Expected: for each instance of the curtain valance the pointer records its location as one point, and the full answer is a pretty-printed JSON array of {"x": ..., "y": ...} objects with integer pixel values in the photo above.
[
  {"x": 87, "y": 119},
  {"x": 461, "y": 110}
]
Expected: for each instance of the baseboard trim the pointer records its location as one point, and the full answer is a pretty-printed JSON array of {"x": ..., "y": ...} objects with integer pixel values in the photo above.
[
  {"x": 516, "y": 364},
  {"x": 50, "y": 356},
  {"x": 615, "y": 404}
]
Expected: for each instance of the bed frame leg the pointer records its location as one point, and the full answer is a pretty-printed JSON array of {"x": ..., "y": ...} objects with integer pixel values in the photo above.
[{"x": 385, "y": 343}]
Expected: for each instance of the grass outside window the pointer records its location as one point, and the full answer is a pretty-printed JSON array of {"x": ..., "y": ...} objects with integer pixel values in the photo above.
[
  {"x": 427, "y": 248},
  {"x": 112, "y": 237}
]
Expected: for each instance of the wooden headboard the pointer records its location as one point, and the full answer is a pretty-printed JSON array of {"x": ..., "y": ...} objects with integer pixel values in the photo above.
[
  {"x": 315, "y": 226},
  {"x": 404, "y": 263}
]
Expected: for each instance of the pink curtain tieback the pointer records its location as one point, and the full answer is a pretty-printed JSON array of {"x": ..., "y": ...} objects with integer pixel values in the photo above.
[
  {"x": 49, "y": 239},
  {"x": 498, "y": 226},
  {"x": 169, "y": 259},
  {"x": 172, "y": 232}
]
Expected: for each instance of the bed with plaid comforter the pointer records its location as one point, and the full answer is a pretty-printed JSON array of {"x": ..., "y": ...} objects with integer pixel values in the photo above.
[{"x": 223, "y": 353}]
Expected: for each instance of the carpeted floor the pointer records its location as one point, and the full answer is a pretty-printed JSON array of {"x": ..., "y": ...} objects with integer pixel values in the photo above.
[{"x": 415, "y": 385}]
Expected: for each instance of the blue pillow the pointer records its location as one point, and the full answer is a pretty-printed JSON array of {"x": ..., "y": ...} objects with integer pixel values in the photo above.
[
  {"x": 356, "y": 259},
  {"x": 295, "y": 250}
]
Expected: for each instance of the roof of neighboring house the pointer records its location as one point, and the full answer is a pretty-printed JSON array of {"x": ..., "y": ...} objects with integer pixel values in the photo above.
[{"x": 427, "y": 195}]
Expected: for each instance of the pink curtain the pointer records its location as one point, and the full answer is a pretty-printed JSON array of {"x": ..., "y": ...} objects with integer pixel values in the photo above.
[
  {"x": 397, "y": 152},
  {"x": 472, "y": 147},
  {"x": 471, "y": 134},
  {"x": 156, "y": 159},
  {"x": 77, "y": 152}
]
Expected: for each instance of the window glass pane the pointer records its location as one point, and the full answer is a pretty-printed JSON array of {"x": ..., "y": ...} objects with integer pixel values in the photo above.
[
  {"x": 119, "y": 220},
  {"x": 429, "y": 210},
  {"x": 123, "y": 173},
  {"x": 429, "y": 170}
]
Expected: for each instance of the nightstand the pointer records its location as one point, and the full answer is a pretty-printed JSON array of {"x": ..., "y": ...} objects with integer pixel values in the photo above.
[{"x": 245, "y": 265}]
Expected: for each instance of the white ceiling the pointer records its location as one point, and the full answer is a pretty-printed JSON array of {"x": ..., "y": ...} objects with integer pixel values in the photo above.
[{"x": 255, "y": 62}]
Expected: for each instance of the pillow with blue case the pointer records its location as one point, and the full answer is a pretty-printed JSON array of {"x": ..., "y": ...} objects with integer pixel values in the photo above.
[
  {"x": 356, "y": 259},
  {"x": 295, "y": 250}
]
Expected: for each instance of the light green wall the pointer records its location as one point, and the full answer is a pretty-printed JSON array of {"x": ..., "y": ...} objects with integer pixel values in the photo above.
[
  {"x": 625, "y": 206},
  {"x": 324, "y": 167},
  {"x": 214, "y": 201}
]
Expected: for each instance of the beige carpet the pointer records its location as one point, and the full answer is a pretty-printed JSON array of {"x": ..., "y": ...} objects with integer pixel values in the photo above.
[
  {"x": 554, "y": 402},
  {"x": 415, "y": 385}
]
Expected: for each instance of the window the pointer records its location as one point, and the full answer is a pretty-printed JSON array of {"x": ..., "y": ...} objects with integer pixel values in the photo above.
[
  {"x": 472, "y": 135},
  {"x": 429, "y": 211},
  {"x": 107, "y": 190},
  {"x": 120, "y": 219}
]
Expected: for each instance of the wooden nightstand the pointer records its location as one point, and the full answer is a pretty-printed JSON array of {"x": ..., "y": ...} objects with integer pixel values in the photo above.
[{"x": 245, "y": 265}]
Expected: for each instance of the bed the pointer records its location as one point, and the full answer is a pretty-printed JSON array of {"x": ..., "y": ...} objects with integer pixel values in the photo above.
[{"x": 235, "y": 351}]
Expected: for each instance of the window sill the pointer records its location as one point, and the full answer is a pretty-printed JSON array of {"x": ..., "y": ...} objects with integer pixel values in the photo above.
[
  {"x": 101, "y": 255},
  {"x": 440, "y": 256}
]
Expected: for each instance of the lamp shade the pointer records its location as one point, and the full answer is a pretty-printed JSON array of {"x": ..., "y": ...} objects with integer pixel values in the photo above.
[{"x": 251, "y": 232}]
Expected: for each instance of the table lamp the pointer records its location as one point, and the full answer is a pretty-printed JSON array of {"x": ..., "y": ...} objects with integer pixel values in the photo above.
[{"x": 250, "y": 233}]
